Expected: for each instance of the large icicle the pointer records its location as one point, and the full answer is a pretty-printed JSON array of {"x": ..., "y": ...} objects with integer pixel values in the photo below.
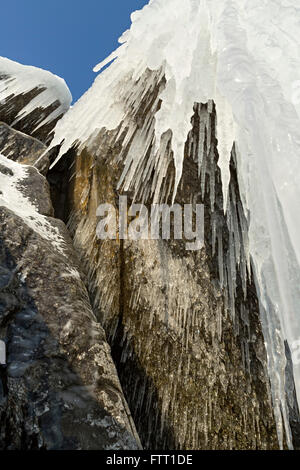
[{"x": 246, "y": 57}]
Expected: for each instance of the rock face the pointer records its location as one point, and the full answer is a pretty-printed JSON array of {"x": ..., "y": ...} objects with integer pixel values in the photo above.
[
  {"x": 59, "y": 389},
  {"x": 184, "y": 344},
  {"x": 22, "y": 148},
  {"x": 194, "y": 375}
]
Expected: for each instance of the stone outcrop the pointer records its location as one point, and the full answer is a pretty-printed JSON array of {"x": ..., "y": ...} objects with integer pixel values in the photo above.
[
  {"x": 59, "y": 389},
  {"x": 31, "y": 100}
]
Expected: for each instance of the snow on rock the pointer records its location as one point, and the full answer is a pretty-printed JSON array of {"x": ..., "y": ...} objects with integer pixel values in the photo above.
[
  {"x": 24, "y": 89},
  {"x": 15, "y": 198},
  {"x": 246, "y": 57}
]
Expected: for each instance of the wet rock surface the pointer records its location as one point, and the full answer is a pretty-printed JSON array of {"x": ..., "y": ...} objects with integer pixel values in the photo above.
[{"x": 59, "y": 388}]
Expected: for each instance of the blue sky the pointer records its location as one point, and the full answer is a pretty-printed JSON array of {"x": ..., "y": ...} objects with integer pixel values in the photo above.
[{"x": 67, "y": 37}]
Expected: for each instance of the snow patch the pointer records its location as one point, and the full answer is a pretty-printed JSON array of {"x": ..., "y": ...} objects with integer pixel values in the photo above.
[{"x": 12, "y": 198}]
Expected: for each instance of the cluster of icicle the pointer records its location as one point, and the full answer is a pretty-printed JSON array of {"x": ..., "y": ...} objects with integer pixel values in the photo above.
[
  {"x": 17, "y": 79},
  {"x": 245, "y": 56}
]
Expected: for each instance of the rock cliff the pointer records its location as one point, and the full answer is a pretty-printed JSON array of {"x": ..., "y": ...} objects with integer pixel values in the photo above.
[{"x": 118, "y": 344}]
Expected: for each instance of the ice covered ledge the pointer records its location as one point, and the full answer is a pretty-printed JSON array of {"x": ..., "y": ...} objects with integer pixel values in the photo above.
[{"x": 32, "y": 100}]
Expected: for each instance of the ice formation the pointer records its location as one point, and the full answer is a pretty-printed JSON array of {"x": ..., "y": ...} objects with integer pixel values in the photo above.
[
  {"x": 12, "y": 197},
  {"x": 245, "y": 56},
  {"x": 17, "y": 79}
]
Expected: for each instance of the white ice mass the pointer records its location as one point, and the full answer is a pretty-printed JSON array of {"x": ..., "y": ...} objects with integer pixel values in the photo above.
[
  {"x": 244, "y": 55},
  {"x": 17, "y": 79}
]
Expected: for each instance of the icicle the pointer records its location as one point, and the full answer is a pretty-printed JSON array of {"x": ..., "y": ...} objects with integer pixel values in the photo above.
[{"x": 220, "y": 258}]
